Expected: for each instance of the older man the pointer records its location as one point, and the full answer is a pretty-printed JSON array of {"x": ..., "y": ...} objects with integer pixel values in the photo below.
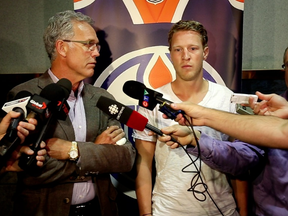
[{"x": 83, "y": 151}]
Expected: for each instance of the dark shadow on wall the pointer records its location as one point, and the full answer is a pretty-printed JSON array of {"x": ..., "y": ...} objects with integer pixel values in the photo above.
[{"x": 104, "y": 60}]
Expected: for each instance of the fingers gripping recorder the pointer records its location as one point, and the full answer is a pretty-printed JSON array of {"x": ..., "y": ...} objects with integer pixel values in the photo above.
[
  {"x": 239, "y": 99},
  {"x": 149, "y": 98}
]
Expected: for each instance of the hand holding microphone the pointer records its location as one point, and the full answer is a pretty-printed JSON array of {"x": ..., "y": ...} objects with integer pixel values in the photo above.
[
  {"x": 17, "y": 105},
  {"x": 50, "y": 105},
  {"x": 29, "y": 106},
  {"x": 10, "y": 145},
  {"x": 12, "y": 137}
]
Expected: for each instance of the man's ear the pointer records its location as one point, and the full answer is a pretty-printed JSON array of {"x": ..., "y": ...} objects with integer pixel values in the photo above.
[
  {"x": 61, "y": 48},
  {"x": 205, "y": 52}
]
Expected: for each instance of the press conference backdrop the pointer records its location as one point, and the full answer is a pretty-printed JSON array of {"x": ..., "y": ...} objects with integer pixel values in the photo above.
[
  {"x": 22, "y": 51},
  {"x": 22, "y": 24}
]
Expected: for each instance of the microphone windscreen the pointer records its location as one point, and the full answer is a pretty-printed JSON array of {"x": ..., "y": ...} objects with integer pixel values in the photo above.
[
  {"x": 53, "y": 92},
  {"x": 122, "y": 113},
  {"x": 66, "y": 85},
  {"x": 20, "y": 101},
  {"x": 148, "y": 98},
  {"x": 134, "y": 89},
  {"x": 137, "y": 121}
]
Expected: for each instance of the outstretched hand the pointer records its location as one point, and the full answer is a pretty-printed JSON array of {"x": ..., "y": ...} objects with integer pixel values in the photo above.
[{"x": 271, "y": 104}]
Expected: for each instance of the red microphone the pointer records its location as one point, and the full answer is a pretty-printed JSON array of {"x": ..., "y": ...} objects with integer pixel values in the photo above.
[{"x": 125, "y": 115}]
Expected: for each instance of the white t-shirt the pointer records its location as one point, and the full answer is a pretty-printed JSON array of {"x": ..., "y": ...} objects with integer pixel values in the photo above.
[{"x": 170, "y": 195}]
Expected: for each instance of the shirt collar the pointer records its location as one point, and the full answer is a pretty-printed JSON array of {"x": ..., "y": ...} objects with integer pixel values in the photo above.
[{"x": 55, "y": 80}]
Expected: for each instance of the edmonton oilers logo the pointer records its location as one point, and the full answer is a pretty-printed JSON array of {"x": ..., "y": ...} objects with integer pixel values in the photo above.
[
  {"x": 79, "y": 4},
  {"x": 154, "y": 1}
]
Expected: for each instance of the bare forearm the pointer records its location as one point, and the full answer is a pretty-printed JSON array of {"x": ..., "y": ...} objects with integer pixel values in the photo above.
[
  {"x": 144, "y": 196},
  {"x": 241, "y": 191},
  {"x": 143, "y": 189},
  {"x": 143, "y": 181},
  {"x": 259, "y": 130}
]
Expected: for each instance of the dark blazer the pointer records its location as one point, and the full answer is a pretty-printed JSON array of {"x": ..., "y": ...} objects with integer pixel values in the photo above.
[{"x": 50, "y": 193}]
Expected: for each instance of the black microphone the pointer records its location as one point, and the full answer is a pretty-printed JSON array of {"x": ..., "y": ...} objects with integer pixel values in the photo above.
[
  {"x": 52, "y": 98},
  {"x": 10, "y": 141},
  {"x": 56, "y": 96},
  {"x": 62, "y": 105},
  {"x": 149, "y": 98},
  {"x": 18, "y": 105},
  {"x": 125, "y": 115}
]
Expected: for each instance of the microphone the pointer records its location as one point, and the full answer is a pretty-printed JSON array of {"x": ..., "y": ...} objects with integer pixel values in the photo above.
[
  {"x": 55, "y": 108},
  {"x": 50, "y": 102},
  {"x": 17, "y": 105},
  {"x": 137, "y": 90},
  {"x": 149, "y": 98},
  {"x": 10, "y": 141},
  {"x": 125, "y": 115},
  {"x": 66, "y": 86},
  {"x": 51, "y": 98},
  {"x": 58, "y": 94}
]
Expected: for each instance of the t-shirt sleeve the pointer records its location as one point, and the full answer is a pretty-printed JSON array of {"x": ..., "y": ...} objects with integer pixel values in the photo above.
[{"x": 143, "y": 135}]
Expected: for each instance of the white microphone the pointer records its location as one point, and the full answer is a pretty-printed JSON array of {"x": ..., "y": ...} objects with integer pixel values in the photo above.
[{"x": 23, "y": 98}]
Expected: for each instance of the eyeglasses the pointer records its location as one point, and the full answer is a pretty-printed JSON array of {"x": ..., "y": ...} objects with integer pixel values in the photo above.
[{"x": 90, "y": 44}]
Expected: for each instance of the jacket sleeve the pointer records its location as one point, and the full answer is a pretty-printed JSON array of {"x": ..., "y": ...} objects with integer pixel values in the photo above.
[
  {"x": 105, "y": 158},
  {"x": 235, "y": 158}
]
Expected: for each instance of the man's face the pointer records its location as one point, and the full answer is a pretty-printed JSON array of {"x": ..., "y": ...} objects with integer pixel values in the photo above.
[
  {"x": 79, "y": 59},
  {"x": 187, "y": 54}
]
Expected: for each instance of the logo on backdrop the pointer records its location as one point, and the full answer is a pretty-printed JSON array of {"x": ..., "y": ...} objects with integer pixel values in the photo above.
[
  {"x": 79, "y": 4},
  {"x": 238, "y": 4},
  {"x": 151, "y": 66},
  {"x": 155, "y": 11}
]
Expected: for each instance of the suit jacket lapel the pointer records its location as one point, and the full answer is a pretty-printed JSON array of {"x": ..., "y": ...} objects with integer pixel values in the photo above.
[
  {"x": 92, "y": 123},
  {"x": 44, "y": 80}
]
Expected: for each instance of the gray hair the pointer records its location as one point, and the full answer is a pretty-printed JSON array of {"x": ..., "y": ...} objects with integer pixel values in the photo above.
[{"x": 59, "y": 27}]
